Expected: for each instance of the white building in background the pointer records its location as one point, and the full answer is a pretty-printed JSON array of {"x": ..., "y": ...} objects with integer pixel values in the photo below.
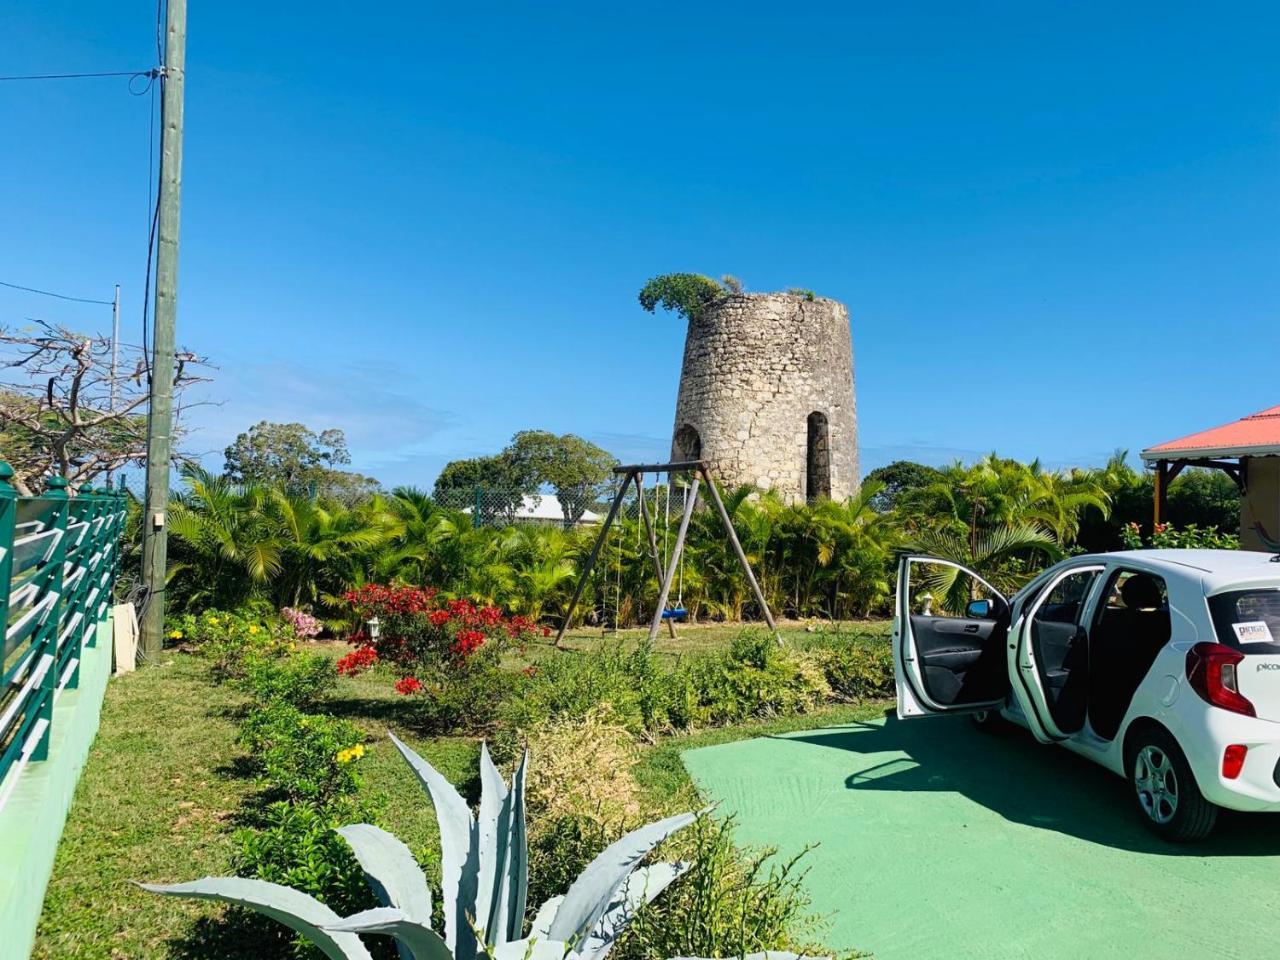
[{"x": 545, "y": 509}]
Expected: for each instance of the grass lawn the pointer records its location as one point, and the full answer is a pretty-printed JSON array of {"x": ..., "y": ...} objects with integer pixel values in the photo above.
[{"x": 166, "y": 787}]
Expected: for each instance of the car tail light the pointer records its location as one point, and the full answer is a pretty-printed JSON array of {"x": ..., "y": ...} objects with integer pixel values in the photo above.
[
  {"x": 1211, "y": 671},
  {"x": 1233, "y": 760}
]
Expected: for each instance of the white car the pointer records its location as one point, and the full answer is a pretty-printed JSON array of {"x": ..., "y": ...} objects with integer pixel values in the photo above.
[{"x": 1161, "y": 665}]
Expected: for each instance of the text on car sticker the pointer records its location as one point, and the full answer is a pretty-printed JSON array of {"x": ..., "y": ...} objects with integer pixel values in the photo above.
[{"x": 1255, "y": 631}]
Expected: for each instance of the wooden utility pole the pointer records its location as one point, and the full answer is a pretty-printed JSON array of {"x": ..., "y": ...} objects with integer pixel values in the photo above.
[{"x": 160, "y": 419}]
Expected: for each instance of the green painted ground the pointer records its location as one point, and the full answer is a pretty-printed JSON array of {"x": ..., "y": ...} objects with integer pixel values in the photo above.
[{"x": 937, "y": 841}]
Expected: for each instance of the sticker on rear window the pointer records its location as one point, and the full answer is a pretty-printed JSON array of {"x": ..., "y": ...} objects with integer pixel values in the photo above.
[{"x": 1255, "y": 631}]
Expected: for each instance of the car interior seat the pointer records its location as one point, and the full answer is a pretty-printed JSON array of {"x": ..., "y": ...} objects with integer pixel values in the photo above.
[{"x": 1123, "y": 646}]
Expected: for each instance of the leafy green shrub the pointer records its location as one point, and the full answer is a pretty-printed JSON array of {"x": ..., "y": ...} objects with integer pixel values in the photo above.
[
  {"x": 1166, "y": 536},
  {"x": 301, "y": 756},
  {"x": 298, "y": 679},
  {"x": 298, "y": 847},
  {"x": 688, "y": 294},
  {"x": 226, "y": 639},
  {"x": 466, "y": 702},
  {"x": 571, "y": 686},
  {"x": 856, "y": 666},
  {"x": 754, "y": 678},
  {"x": 725, "y": 906}
]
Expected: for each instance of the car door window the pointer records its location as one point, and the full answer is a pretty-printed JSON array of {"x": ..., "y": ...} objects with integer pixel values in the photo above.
[
  {"x": 1060, "y": 643},
  {"x": 960, "y": 657}
]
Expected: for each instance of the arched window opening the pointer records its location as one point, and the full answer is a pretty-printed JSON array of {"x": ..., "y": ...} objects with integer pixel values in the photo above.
[
  {"x": 817, "y": 483},
  {"x": 688, "y": 445}
]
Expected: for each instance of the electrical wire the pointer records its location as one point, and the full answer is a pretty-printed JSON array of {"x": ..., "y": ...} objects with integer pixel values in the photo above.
[
  {"x": 79, "y": 76},
  {"x": 59, "y": 296}
]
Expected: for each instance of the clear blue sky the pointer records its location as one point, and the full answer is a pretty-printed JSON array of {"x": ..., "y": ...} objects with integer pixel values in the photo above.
[{"x": 1056, "y": 226}]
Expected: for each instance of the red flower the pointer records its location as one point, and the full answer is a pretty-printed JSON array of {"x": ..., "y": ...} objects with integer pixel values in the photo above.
[
  {"x": 546, "y": 631},
  {"x": 530, "y": 670},
  {"x": 439, "y": 618},
  {"x": 467, "y": 642},
  {"x": 357, "y": 661},
  {"x": 408, "y": 685}
]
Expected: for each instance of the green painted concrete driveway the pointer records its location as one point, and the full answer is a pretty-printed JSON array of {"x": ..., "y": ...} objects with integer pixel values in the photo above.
[{"x": 937, "y": 841}]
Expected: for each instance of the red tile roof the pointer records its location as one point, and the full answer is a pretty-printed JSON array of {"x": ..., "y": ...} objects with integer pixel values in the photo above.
[{"x": 1255, "y": 435}]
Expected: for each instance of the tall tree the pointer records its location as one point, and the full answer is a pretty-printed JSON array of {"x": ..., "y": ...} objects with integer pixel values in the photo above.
[
  {"x": 296, "y": 459},
  {"x": 498, "y": 482},
  {"x": 576, "y": 469}
]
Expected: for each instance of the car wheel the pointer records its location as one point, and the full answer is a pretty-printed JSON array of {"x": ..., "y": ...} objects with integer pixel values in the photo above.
[
  {"x": 1171, "y": 803},
  {"x": 988, "y": 721}
]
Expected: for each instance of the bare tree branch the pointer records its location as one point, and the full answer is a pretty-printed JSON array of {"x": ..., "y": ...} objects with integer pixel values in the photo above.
[{"x": 63, "y": 412}]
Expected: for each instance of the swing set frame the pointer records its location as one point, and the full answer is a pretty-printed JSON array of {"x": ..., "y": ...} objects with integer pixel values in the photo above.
[{"x": 632, "y": 474}]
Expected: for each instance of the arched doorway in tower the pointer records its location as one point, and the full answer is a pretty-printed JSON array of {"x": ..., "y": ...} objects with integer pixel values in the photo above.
[
  {"x": 688, "y": 445},
  {"x": 817, "y": 482}
]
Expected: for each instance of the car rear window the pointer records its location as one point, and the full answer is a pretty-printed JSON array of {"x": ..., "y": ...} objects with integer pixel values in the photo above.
[{"x": 1248, "y": 620}]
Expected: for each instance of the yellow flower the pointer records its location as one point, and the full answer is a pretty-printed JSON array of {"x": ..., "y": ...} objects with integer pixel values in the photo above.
[
  {"x": 293, "y": 647},
  {"x": 212, "y": 620},
  {"x": 175, "y": 635},
  {"x": 253, "y": 628},
  {"x": 350, "y": 753}
]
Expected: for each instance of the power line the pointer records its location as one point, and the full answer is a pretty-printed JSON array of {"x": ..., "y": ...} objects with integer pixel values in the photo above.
[
  {"x": 60, "y": 296},
  {"x": 81, "y": 76}
]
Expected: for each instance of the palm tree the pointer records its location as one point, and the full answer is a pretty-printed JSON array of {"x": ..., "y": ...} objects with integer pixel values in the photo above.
[{"x": 226, "y": 547}]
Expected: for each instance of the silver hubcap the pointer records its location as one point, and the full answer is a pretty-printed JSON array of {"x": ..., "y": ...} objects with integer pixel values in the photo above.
[{"x": 1157, "y": 784}]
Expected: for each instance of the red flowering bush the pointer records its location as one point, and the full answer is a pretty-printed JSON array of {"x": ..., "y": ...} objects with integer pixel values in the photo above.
[{"x": 435, "y": 645}]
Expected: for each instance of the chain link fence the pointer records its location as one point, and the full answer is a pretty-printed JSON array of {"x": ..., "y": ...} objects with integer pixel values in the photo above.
[{"x": 496, "y": 507}]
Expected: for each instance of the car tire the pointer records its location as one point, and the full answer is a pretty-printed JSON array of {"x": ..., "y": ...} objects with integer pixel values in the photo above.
[
  {"x": 988, "y": 721},
  {"x": 1165, "y": 789}
]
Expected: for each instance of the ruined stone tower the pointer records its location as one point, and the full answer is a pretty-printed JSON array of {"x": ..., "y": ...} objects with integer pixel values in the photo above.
[{"x": 766, "y": 395}]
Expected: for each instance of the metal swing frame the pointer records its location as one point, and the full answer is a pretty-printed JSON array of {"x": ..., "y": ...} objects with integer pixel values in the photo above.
[{"x": 631, "y": 475}]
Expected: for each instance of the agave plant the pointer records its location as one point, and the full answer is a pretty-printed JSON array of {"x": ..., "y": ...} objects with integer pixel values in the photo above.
[{"x": 485, "y": 880}]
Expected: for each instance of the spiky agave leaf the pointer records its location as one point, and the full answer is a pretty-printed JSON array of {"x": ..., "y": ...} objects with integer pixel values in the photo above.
[
  {"x": 642, "y": 887},
  {"x": 391, "y": 870},
  {"x": 590, "y": 896},
  {"x": 494, "y": 831},
  {"x": 541, "y": 926},
  {"x": 459, "y": 852},
  {"x": 297, "y": 911},
  {"x": 416, "y": 936}
]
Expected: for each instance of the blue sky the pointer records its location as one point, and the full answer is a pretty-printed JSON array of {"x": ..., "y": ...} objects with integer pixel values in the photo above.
[{"x": 1056, "y": 226}]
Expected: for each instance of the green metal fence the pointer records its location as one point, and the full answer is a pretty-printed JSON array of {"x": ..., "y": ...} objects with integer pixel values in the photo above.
[{"x": 60, "y": 556}]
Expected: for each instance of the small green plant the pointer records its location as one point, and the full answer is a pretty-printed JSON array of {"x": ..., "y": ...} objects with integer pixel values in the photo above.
[
  {"x": 303, "y": 757},
  {"x": 298, "y": 679},
  {"x": 688, "y": 294},
  {"x": 802, "y": 292}
]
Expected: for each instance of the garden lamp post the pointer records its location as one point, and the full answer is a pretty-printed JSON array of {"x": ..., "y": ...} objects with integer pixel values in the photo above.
[{"x": 375, "y": 628}]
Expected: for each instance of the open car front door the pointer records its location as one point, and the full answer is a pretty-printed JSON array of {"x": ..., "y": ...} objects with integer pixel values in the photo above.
[{"x": 948, "y": 646}]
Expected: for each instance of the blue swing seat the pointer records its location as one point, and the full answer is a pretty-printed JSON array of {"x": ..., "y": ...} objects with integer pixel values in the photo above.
[{"x": 675, "y": 613}]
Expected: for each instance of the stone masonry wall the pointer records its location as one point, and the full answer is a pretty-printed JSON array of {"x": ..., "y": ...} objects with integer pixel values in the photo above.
[{"x": 756, "y": 366}]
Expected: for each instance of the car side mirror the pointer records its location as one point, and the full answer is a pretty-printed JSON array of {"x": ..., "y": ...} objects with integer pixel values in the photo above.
[{"x": 979, "y": 609}]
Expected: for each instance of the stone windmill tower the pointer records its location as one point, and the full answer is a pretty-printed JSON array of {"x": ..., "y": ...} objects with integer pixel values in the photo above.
[{"x": 766, "y": 395}]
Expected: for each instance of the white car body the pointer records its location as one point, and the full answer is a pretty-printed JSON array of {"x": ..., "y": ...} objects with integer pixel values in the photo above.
[{"x": 957, "y": 657}]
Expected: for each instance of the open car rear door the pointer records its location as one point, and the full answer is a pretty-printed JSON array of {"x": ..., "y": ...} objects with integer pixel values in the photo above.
[
  {"x": 945, "y": 658},
  {"x": 1049, "y": 654}
]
